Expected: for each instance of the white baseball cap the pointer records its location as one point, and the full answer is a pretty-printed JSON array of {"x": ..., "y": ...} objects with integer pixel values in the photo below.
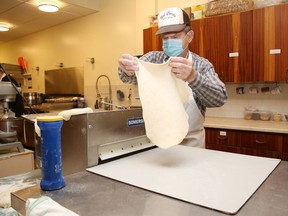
[{"x": 172, "y": 20}]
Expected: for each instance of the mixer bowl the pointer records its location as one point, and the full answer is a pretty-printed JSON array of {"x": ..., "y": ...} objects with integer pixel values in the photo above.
[{"x": 12, "y": 130}]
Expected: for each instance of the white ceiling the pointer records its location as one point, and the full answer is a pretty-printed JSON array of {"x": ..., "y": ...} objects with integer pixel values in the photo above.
[{"x": 24, "y": 18}]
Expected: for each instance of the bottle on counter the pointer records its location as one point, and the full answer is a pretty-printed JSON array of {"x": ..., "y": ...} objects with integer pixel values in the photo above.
[
  {"x": 277, "y": 117},
  {"x": 51, "y": 154},
  {"x": 81, "y": 102}
]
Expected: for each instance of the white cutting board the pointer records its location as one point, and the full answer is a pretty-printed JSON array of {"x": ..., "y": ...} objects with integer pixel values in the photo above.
[{"x": 218, "y": 180}]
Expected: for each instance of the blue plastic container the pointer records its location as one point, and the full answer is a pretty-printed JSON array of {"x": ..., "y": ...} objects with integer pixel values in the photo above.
[{"x": 51, "y": 154}]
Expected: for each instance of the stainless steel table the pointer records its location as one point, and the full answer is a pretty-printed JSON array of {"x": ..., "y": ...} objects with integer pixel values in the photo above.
[{"x": 89, "y": 194}]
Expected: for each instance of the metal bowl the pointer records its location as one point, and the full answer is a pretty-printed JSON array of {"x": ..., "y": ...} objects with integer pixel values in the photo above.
[
  {"x": 12, "y": 127},
  {"x": 31, "y": 97},
  {"x": 7, "y": 137}
]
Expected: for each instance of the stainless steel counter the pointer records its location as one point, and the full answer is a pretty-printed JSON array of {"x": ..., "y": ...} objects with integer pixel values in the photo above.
[{"x": 89, "y": 194}]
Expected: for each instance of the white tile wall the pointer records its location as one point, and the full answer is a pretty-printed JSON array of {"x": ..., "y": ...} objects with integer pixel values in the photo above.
[
  {"x": 263, "y": 101},
  {"x": 91, "y": 97}
]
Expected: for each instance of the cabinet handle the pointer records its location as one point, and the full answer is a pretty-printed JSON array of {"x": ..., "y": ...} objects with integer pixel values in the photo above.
[
  {"x": 275, "y": 51},
  {"x": 234, "y": 54},
  {"x": 221, "y": 137},
  {"x": 260, "y": 142},
  {"x": 286, "y": 76}
]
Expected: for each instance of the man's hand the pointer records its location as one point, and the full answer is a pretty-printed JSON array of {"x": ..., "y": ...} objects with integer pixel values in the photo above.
[
  {"x": 128, "y": 64},
  {"x": 183, "y": 68}
]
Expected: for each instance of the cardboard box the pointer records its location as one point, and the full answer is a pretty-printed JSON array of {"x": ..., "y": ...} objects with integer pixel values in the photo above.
[{"x": 14, "y": 163}]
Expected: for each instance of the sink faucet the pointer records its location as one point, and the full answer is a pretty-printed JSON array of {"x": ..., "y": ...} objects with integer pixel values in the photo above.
[{"x": 100, "y": 101}]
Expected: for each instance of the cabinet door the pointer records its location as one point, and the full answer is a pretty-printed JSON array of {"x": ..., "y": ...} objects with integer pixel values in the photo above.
[
  {"x": 151, "y": 42},
  {"x": 285, "y": 148},
  {"x": 246, "y": 142},
  {"x": 221, "y": 139},
  {"x": 227, "y": 43},
  {"x": 197, "y": 45},
  {"x": 218, "y": 43},
  {"x": 270, "y": 44},
  {"x": 260, "y": 144}
]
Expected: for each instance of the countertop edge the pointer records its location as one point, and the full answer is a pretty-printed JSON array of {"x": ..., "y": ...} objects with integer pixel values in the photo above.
[{"x": 246, "y": 125}]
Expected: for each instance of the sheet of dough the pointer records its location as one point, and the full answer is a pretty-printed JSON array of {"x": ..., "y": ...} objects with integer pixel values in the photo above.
[{"x": 163, "y": 97}]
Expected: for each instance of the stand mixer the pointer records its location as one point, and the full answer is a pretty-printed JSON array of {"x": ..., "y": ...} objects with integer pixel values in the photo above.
[{"x": 8, "y": 136}]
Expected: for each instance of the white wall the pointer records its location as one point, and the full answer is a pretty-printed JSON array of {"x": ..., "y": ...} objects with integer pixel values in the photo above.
[
  {"x": 117, "y": 28},
  {"x": 262, "y": 101}
]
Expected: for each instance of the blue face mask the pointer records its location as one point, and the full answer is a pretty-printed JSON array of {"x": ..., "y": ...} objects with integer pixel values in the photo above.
[{"x": 173, "y": 47}]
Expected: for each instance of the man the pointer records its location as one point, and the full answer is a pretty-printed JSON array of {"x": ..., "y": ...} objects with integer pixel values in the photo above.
[
  {"x": 207, "y": 89},
  {"x": 17, "y": 106}
]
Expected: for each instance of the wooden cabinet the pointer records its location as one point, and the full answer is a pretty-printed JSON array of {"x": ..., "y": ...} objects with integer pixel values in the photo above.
[
  {"x": 249, "y": 46},
  {"x": 151, "y": 42},
  {"x": 223, "y": 140},
  {"x": 226, "y": 41},
  {"x": 247, "y": 142},
  {"x": 285, "y": 148},
  {"x": 270, "y": 43},
  {"x": 197, "y": 45}
]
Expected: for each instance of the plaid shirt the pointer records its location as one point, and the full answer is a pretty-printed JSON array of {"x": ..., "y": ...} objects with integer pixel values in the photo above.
[{"x": 208, "y": 89}]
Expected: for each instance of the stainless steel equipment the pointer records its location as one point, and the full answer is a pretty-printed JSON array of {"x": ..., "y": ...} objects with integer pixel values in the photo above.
[
  {"x": 8, "y": 135},
  {"x": 34, "y": 98},
  {"x": 62, "y": 87},
  {"x": 93, "y": 138},
  {"x": 14, "y": 70},
  {"x": 7, "y": 92},
  {"x": 57, "y": 103},
  {"x": 112, "y": 134},
  {"x": 65, "y": 81},
  {"x": 10, "y": 130}
]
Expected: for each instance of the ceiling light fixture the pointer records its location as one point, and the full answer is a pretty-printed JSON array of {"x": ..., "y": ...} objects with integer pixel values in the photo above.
[
  {"x": 4, "y": 27},
  {"x": 48, "y": 6}
]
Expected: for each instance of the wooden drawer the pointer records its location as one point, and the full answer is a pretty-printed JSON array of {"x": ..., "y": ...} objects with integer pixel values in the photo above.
[
  {"x": 247, "y": 142},
  {"x": 220, "y": 137},
  {"x": 285, "y": 144},
  {"x": 285, "y": 148},
  {"x": 260, "y": 152},
  {"x": 260, "y": 141}
]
